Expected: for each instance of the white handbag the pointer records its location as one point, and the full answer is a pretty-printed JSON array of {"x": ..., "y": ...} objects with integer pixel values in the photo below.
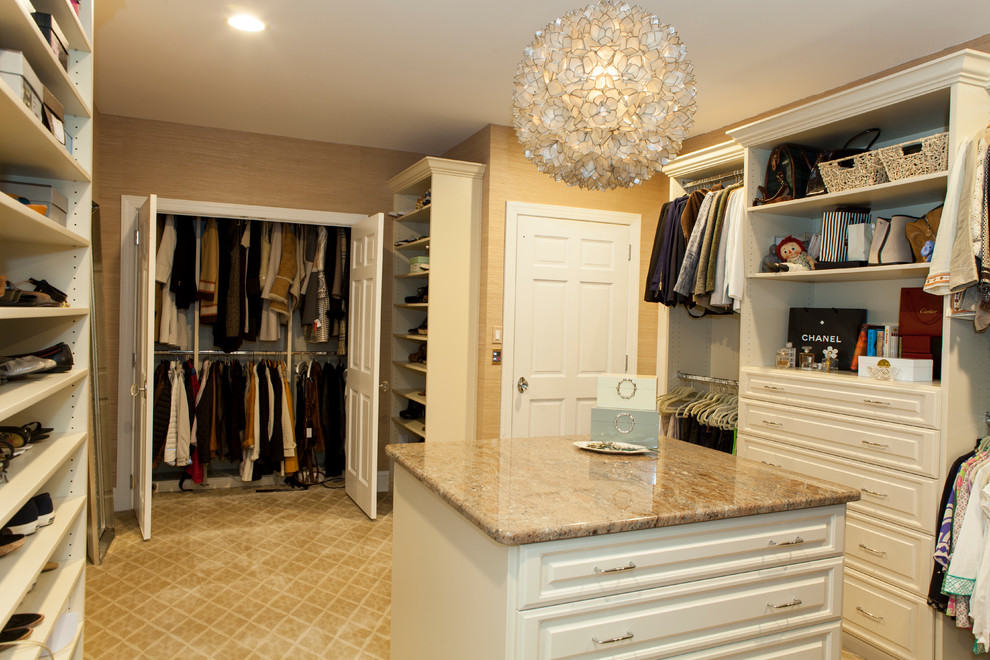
[{"x": 890, "y": 244}]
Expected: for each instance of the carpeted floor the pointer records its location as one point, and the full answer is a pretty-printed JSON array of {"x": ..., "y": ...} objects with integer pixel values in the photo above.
[{"x": 240, "y": 574}]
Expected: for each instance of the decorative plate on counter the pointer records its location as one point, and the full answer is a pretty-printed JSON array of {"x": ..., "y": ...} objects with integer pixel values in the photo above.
[{"x": 611, "y": 447}]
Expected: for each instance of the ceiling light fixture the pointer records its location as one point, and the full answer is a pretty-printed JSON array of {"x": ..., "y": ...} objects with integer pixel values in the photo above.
[
  {"x": 246, "y": 23},
  {"x": 604, "y": 96}
]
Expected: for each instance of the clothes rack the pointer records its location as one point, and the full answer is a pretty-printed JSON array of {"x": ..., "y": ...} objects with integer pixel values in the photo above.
[
  {"x": 212, "y": 352},
  {"x": 690, "y": 186},
  {"x": 707, "y": 379}
]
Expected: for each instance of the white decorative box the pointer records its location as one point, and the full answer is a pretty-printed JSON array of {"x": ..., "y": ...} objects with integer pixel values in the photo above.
[
  {"x": 627, "y": 392},
  {"x": 919, "y": 371},
  {"x": 21, "y": 78},
  {"x": 637, "y": 427},
  {"x": 40, "y": 194}
]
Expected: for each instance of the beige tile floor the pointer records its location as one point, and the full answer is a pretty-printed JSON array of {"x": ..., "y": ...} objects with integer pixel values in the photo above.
[{"x": 245, "y": 575}]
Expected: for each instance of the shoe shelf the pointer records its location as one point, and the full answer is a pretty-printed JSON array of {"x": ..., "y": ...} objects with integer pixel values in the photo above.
[
  {"x": 904, "y": 192},
  {"x": 21, "y": 33},
  {"x": 413, "y": 395},
  {"x": 419, "y": 367},
  {"x": 420, "y": 306},
  {"x": 410, "y": 337},
  {"x": 415, "y": 246},
  {"x": 414, "y": 276},
  {"x": 23, "y": 566},
  {"x": 50, "y": 598},
  {"x": 413, "y": 425},
  {"x": 864, "y": 274},
  {"x": 19, "y": 224},
  {"x": 27, "y": 146},
  {"x": 33, "y": 468},
  {"x": 16, "y": 396},
  {"x": 421, "y": 214},
  {"x": 41, "y": 312}
]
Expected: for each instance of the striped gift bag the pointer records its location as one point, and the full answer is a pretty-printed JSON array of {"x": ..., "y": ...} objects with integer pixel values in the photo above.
[{"x": 835, "y": 226}]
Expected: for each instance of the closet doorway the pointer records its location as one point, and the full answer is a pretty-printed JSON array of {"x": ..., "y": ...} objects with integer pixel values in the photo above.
[
  {"x": 570, "y": 313},
  {"x": 138, "y": 216}
]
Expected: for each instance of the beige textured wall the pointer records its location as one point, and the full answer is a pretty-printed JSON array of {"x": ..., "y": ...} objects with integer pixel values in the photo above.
[
  {"x": 140, "y": 157},
  {"x": 510, "y": 177}
]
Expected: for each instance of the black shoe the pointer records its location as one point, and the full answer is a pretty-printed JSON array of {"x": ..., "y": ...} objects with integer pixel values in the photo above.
[
  {"x": 413, "y": 411},
  {"x": 60, "y": 353}
]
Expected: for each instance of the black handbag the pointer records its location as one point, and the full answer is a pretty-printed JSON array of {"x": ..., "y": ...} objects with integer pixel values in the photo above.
[
  {"x": 787, "y": 173},
  {"x": 822, "y": 327},
  {"x": 816, "y": 185}
]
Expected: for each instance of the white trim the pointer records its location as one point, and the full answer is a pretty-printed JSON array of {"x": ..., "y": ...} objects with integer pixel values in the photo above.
[
  {"x": 129, "y": 205},
  {"x": 704, "y": 161},
  {"x": 512, "y": 212}
]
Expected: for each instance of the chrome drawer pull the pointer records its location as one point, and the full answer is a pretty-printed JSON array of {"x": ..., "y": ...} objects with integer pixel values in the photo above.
[
  {"x": 873, "y": 493},
  {"x": 797, "y": 541},
  {"x": 793, "y": 603},
  {"x": 773, "y": 388},
  {"x": 874, "y": 402},
  {"x": 620, "y": 569},
  {"x": 878, "y": 445},
  {"x": 865, "y": 613},
  {"x": 770, "y": 464},
  {"x": 777, "y": 425},
  {"x": 622, "y": 638},
  {"x": 878, "y": 553}
]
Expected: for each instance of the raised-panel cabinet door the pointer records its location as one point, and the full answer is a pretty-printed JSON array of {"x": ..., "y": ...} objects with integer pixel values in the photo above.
[
  {"x": 364, "y": 363},
  {"x": 141, "y": 394}
]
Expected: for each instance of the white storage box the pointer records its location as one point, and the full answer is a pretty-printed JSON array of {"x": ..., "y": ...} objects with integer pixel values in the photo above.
[
  {"x": 40, "y": 194},
  {"x": 637, "y": 427},
  {"x": 20, "y": 77},
  {"x": 900, "y": 368},
  {"x": 627, "y": 392}
]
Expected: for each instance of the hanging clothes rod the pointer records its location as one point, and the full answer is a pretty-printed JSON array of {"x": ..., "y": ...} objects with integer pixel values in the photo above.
[
  {"x": 212, "y": 352},
  {"x": 707, "y": 379},
  {"x": 698, "y": 183}
]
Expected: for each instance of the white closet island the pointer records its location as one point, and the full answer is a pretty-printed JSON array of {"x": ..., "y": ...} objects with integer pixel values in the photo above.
[{"x": 531, "y": 548}]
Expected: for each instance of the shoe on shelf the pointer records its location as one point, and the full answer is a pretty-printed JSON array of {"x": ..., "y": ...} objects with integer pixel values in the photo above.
[
  {"x": 25, "y": 521},
  {"x": 10, "y": 542},
  {"x": 419, "y": 355},
  {"x": 60, "y": 354},
  {"x": 24, "y": 620},
  {"x": 31, "y": 432},
  {"x": 9, "y": 635},
  {"x": 420, "y": 329},
  {"x": 413, "y": 411},
  {"x": 422, "y": 296},
  {"x": 45, "y": 507}
]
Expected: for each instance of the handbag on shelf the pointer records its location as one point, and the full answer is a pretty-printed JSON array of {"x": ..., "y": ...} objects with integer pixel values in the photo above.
[
  {"x": 822, "y": 327},
  {"x": 816, "y": 184},
  {"x": 890, "y": 244},
  {"x": 837, "y": 226},
  {"x": 921, "y": 231},
  {"x": 787, "y": 173}
]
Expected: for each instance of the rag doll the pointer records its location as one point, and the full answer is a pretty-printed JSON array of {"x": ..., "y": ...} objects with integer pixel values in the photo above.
[{"x": 793, "y": 256}]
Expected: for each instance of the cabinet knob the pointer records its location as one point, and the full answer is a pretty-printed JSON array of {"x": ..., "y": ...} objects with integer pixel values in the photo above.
[
  {"x": 793, "y": 603},
  {"x": 873, "y": 493},
  {"x": 876, "y": 402},
  {"x": 619, "y": 569},
  {"x": 620, "y": 638},
  {"x": 878, "y": 445},
  {"x": 867, "y": 614},
  {"x": 797, "y": 541},
  {"x": 873, "y": 551}
]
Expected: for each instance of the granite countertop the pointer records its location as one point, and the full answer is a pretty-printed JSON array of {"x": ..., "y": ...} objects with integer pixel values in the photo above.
[{"x": 542, "y": 489}]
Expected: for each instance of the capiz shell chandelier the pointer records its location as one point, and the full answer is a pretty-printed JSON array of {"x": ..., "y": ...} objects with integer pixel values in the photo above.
[{"x": 604, "y": 96}]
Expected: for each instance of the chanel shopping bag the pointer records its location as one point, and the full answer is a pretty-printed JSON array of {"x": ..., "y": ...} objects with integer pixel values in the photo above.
[{"x": 821, "y": 327}]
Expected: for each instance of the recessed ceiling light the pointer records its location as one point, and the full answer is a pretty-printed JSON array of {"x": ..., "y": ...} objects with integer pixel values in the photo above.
[{"x": 246, "y": 23}]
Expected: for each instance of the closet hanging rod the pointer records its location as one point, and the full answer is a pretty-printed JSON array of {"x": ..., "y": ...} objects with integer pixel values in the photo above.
[
  {"x": 711, "y": 179},
  {"x": 707, "y": 379},
  {"x": 212, "y": 352}
]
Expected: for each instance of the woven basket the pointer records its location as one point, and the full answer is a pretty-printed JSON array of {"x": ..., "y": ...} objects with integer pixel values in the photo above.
[
  {"x": 925, "y": 156},
  {"x": 857, "y": 171}
]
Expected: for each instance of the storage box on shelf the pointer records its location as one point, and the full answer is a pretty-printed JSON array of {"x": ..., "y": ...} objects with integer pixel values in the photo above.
[
  {"x": 32, "y": 245},
  {"x": 894, "y": 440},
  {"x": 434, "y": 350}
]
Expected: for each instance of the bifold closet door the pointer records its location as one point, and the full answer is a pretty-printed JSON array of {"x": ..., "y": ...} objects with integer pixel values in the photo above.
[
  {"x": 142, "y": 361},
  {"x": 364, "y": 363}
]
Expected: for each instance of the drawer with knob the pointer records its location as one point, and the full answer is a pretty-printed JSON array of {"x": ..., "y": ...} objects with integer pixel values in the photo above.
[
  {"x": 905, "y": 403},
  {"x": 575, "y": 569},
  {"x": 896, "y": 621},
  {"x": 895, "y": 554}
]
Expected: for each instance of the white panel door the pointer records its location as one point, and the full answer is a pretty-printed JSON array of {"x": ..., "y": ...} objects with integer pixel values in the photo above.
[
  {"x": 571, "y": 305},
  {"x": 143, "y": 361},
  {"x": 364, "y": 364}
]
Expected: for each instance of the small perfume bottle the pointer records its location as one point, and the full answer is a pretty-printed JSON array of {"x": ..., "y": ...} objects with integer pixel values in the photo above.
[
  {"x": 786, "y": 356},
  {"x": 806, "y": 359}
]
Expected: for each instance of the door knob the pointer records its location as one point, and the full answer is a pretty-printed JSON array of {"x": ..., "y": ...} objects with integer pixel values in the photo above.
[
  {"x": 522, "y": 385},
  {"x": 383, "y": 386},
  {"x": 135, "y": 389}
]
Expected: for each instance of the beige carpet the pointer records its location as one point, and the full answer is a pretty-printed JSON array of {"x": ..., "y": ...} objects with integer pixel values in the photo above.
[{"x": 240, "y": 574}]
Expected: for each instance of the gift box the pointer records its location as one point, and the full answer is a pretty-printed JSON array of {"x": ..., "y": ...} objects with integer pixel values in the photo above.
[
  {"x": 910, "y": 369},
  {"x": 56, "y": 203},
  {"x": 637, "y": 427},
  {"x": 916, "y": 344},
  {"x": 627, "y": 392},
  {"x": 920, "y": 313},
  {"x": 53, "y": 115},
  {"x": 416, "y": 264},
  {"x": 54, "y": 36},
  {"x": 18, "y": 74}
]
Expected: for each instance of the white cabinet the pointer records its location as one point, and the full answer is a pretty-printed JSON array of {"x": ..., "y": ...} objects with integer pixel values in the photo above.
[
  {"x": 895, "y": 441},
  {"x": 34, "y": 246},
  {"x": 434, "y": 347}
]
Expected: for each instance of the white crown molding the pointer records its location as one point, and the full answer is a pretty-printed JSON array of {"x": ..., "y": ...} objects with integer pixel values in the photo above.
[
  {"x": 431, "y": 165},
  {"x": 967, "y": 67},
  {"x": 704, "y": 160}
]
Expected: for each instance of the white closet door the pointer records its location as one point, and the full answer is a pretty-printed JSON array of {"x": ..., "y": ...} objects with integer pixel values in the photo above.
[
  {"x": 364, "y": 363},
  {"x": 143, "y": 361}
]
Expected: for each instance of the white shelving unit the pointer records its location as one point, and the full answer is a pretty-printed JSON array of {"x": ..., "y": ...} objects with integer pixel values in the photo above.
[
  {"x": 34, "y": 246},
  {"x": 708, "y": 346},
  {"x": 894, "y": 440},
  {"x": 448, "y": 230}
]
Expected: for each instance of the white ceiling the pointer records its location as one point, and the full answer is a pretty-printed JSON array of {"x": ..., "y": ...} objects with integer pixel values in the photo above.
[{"x": 423, "y": 75}]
